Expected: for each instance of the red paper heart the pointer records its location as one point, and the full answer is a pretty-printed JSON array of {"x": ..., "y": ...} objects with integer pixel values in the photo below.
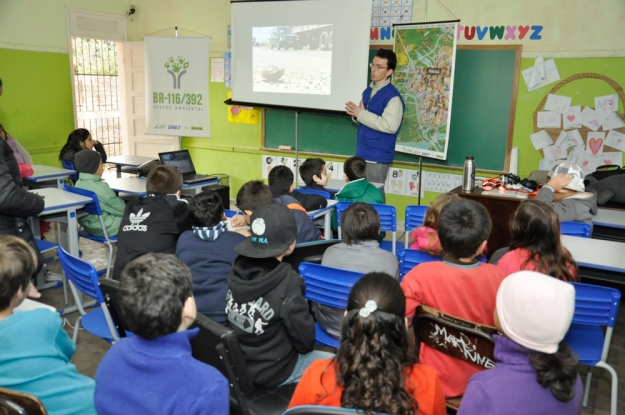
[
  {"x": 620, "y": 140},
  {"x": 523, "y": 31},
  {"x": 608, "y": 161},
  {"x": 585, "y": 163},
  {"x": 570, "y": 117},
  {"x": 595, "y": 145}
]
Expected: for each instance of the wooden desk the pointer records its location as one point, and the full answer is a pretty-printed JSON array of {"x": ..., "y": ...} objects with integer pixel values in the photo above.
[{"x": 501, "y": 209}]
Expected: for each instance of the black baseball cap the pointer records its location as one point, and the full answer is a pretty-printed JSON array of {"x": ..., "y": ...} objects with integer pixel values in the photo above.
[{"x": 273, "y": 230}]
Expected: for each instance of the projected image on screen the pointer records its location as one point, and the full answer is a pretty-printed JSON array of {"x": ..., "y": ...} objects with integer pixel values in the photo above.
[{"x": 292, "y": 59}]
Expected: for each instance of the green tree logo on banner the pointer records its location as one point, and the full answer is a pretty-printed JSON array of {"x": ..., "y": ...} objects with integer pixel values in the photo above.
[{"x": 176, "y": 68}]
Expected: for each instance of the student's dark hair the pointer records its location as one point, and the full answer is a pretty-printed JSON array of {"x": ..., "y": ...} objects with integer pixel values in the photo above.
[
  {"x": 309, "y": 168},
  {"x": 536, "y": 227},
  {"x": 18, "y": 263},
  {"x": 375, "y": 356},
  {"x": 253, "y": 195},
  {"x": 359, "y": 222},
  {"x": 206, "y": 209},
  {"x": 389, "y": 55},
  {"x": 5, "y": 131},
  {"x": 556, "y": 371},
  {"x": 73, "y": 141},
  {"x": 462, "y": 226},
  {"x": 163, "y": 180},
  {"x": 355, "y": 168},
  {"x": 281, "y": 177},
  {"x": 0, "y": 82},
  {"x": 152, "y": 291}
]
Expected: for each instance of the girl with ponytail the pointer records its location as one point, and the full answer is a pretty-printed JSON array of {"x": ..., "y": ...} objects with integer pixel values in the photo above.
[
  {"x": 536, "y": 373},
  {"x": 375, "y": 369}
]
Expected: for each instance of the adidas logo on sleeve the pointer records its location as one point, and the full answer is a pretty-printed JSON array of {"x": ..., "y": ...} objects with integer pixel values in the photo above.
[{"x": 135, "y": 220}]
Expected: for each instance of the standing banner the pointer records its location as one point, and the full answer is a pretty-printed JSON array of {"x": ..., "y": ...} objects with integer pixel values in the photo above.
[
  {"x": 176, "y": 86},
  {"x": 424, "y": 76}
]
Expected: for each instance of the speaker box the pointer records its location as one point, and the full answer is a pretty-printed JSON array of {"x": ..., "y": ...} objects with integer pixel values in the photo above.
[{"x": 222, "y": 191}]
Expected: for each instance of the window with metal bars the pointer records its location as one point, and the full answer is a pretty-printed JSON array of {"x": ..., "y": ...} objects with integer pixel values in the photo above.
[{"x": 97, "y": 91}]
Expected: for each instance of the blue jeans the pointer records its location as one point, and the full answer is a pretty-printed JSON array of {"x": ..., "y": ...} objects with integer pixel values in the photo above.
[{"x": 303, "y": 361}]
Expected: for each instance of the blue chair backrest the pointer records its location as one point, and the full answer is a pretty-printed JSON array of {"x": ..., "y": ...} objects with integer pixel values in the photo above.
[
  {"x": 69, "y": 166},
  {"x": 92, "y": 208},
  {"x": 575, "y": 229},
  {"x": 410, "y": 258},
  {"x": 230, "y": 213},
  {"x": 595, "y": 305},
  {"x": 327, "y": 285},
  {"x": 82, "y": 274},
  {"x": 325, "y": 194},
  {"x": 415, "y": 215},
  {"x": 340, "y": 208},
  {"x": 388, "y": 217}
]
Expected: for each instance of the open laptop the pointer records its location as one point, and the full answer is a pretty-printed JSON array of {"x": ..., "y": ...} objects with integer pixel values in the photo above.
[{"x": 181, "y": 161}]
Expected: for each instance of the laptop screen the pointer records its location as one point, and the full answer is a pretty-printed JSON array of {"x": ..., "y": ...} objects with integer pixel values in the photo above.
[{"x": 179, "y": 160}]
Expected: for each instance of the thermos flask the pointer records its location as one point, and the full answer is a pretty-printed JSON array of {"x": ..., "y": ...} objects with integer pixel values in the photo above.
[{"x": 468, "y": 175}]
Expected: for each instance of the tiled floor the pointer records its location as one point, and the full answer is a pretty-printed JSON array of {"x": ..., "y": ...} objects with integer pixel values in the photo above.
[{"x": 90, "y": 349}]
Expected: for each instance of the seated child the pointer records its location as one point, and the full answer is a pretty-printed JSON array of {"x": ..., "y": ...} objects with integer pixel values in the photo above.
[
  {"x": 155, "y": 222},
  {"x": 536, "y": 372},
  {"x": 281, "y": 186},
  {"x": 313, "y": 173},
  {"x": 359, "y": 251},
  {"x": 80, "y": 139},
  {"x": 255, "y": 194},
  {"x": 425, "y": 237},
  {"x": 265, "y": 302},
  {"x": 153, "y": 371},
  {"x": 89, "y": 164},
  {"x": 458, "y": 285},
  {"x": 208, "y": 250},
  {"x": 21, "y": 154},
  {"x": 566, "y": 191},
  {"x": 374, "y": 369},
  {"x": 536, "y": 243},
  {"x": 36, "y": 352}
]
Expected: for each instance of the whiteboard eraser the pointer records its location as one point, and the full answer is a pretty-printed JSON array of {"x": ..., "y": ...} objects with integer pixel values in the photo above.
[{"x": 287, "y": 148}]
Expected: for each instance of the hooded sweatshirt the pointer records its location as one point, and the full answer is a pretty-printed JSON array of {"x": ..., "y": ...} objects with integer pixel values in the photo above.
[
  {"x": 309, "y": 202},
  {"x": 358, "y": 191},
  {"x": 579, "y": 207},
  {"x": 266, "y": 309}
]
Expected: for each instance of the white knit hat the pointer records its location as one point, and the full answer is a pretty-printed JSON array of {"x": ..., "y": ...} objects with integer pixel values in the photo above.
[
  {"x": 535, "y": 310},
  {"x": 574, "y": 171}
]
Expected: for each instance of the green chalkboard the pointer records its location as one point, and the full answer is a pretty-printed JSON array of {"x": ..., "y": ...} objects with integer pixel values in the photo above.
[{"x": 482, "y": 115}]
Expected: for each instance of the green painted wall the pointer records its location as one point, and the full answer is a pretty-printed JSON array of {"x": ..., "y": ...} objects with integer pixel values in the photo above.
[{"x": 36, "y": 104}]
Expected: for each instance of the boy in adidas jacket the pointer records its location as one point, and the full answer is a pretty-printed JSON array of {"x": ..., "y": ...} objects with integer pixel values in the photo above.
[{"x": 155, "y": 222}]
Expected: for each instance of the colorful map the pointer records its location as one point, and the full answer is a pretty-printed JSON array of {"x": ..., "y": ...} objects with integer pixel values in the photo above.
[{"x": 424, "y": 77}]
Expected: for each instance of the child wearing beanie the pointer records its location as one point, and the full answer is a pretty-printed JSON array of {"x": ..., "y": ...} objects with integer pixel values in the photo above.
[
  {"x": 89, "y": 164},
  {"x": 536, "y": 373}
]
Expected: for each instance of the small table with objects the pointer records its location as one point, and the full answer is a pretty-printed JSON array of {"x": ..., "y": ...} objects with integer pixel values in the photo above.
[
  {"x": 130, "y": 161},
  {"x": 55, "y": 175}
]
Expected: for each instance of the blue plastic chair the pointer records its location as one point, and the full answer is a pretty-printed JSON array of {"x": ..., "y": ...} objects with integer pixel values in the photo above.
[
  {"x": 70, "y": 166},
  {"x": 94, "y": 209},
  {"x": 415, "y": 215},
  {"x": 324, "y": 410},
  {"x": 580, "y": 229},
  {"x": 230, "y": 213},
  {"x": 326, "y": 195},
  {"x": 410, "y": 258},
  {"x": 83, "y": 277},
  {"x": 594, "y": 307},
  {"x": 328, "y": 286}
]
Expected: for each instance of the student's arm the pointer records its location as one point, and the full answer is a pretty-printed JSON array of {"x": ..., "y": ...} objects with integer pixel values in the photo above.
[
  {"x": 109, "y": 202},
  {"x": 14, "y": 200},
  {"x": 214, "y": 399},
  {"x": 566, "y": 210},
  {"x": 476, "y": 400},
  {"x": 63, "y": 343},
  {"x": 100, "y": 149},
  {"x": 307, "y": 388},
  {"x": 180, "y": 211},
  {"x": 388, "y": 122},
  {"x": 412, "y": 290},
  {"x": 297, "y": 319},
  {"x": 23, "y": 152}
]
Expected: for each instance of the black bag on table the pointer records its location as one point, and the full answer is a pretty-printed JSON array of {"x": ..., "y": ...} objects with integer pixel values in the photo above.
[{"x": 606, "y": 171}]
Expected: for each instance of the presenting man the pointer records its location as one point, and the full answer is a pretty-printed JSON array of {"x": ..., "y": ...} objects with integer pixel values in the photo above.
[{"x": 379, "y": 114}]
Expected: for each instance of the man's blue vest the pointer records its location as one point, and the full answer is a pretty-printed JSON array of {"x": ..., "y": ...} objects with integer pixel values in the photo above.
[{"x": 374, "y": 145}]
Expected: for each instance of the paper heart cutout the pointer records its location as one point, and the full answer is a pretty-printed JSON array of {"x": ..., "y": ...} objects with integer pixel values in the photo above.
[
  {"x": 595, "y": 145},
  {"x": 523, "y": 31},
  {"x": 608, "y": 161},
  {"x": 570, "y": 117},
  {"x": 585, "y": 163},
  {"x": 620, "y": 140}
]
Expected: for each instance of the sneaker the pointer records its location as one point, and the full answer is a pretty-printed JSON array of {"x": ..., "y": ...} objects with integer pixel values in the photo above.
[{"x": 52, "y": 276}]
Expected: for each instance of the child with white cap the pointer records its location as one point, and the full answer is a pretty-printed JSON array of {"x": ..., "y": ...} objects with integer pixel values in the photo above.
[
  {"x": 536, "y": 371},
  {"x": 566, "y": 191}
]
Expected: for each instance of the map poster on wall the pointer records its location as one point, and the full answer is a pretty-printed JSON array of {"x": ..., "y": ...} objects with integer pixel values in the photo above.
[{"x": 424, "y": 77}]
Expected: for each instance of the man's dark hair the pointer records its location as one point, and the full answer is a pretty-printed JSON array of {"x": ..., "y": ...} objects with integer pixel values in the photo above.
[
  {"x": 253, "y": 195},
  {"x": 152, "y": 291},
  {"x": 206, "y": 209},
  {"x": 462, "y": 226},
  {"x": 17, "y": 264},
  {"x": 359, "y": 222},
  {"x": 281, "y": 177},
  {"x": 310, "y": 168},
  {"x": 355, "y": 168},
  {"x": 390, "y": 57},
  {"x": 163, "y": 180}
]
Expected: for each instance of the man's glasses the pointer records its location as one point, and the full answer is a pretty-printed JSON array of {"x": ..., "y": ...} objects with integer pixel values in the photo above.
[{"x": 378, "y": 67}]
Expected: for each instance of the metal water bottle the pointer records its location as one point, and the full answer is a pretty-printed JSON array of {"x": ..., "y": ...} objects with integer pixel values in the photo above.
[{"x": 468, "y": 175}]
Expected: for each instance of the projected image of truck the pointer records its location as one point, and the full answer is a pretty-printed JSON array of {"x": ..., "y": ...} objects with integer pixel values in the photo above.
[{"x": 292, "y": 59}]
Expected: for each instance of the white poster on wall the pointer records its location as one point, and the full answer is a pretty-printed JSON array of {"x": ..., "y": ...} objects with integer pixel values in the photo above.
[{"x": 176, "y": 86}]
